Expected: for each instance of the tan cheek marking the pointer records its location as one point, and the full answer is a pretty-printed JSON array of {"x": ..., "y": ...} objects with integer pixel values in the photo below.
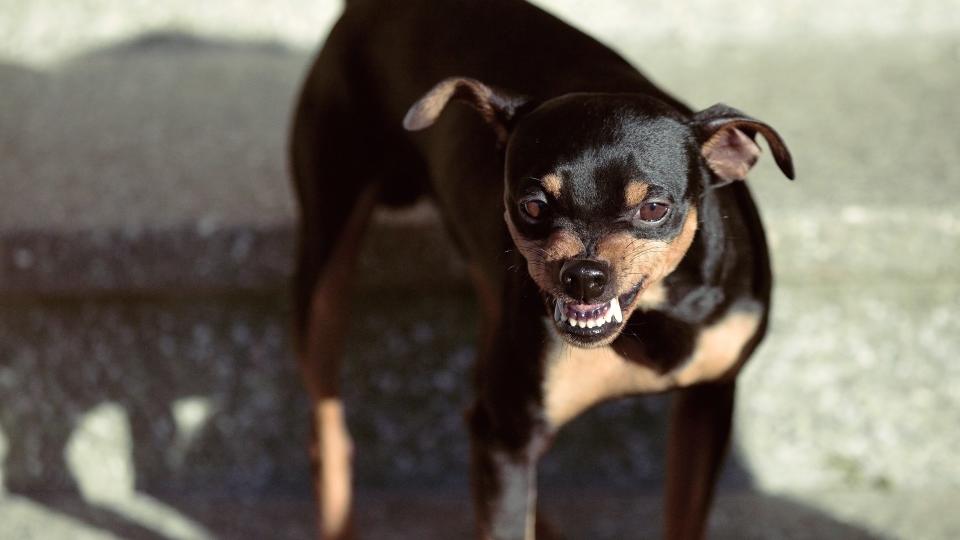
[
  {"x": 335, "y": 474},
  {"x": 719, "y": 347},
  {"x": 577, "y": 378},
  {"x": 655, "y": 259},
  {"x": 559, "y": 246},
  {"x": 679, "y": 246},
  {"x": 629, "y": 257},
  {"x": 552, "y": 184},
  {"x": 635, "y": 193}
]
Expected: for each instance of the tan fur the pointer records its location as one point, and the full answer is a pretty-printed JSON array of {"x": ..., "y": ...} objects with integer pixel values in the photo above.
[
  {"x": 632, "y": 258},
  {"x": 552, "y": 184},
  {"x": 635, "y": 193},
  {"x": 576, "y": 378},
  {"x": 558, "y": 246},
  {"x": 336, "y": 449},
  {"x": 719, "y": 347}
]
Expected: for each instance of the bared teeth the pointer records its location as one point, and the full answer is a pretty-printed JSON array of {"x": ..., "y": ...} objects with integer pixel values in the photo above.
[
  {"x": 595, "y": 318},
  {"x": 615, "y": 309}
]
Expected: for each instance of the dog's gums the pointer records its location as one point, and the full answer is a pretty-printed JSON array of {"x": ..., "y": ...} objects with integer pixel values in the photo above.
[{"x": 587, "y": 315}]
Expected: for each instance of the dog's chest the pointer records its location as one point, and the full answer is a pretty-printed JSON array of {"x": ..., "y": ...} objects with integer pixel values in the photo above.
[{"x": 576, "y": 379}]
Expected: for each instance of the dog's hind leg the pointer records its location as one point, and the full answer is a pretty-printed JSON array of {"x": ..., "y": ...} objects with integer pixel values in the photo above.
[
  {"x": 337, "y": 195},
  {"x": 699, "y": 436}
]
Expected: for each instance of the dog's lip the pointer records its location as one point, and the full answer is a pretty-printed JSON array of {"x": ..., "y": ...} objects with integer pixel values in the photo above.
[{"x": 625, "y": 300}]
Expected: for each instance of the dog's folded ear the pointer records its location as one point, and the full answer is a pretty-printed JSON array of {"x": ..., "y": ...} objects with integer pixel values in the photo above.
[
  {"x": 726, "y": 138},
  {"x": 498, "y": 108}
]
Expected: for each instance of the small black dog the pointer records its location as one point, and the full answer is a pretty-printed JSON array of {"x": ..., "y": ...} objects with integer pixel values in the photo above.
[{"x": 646, "y": 264}]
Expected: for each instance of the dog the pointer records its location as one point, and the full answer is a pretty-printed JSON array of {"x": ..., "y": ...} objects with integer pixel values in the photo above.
[{"x": 612, "y": 242}]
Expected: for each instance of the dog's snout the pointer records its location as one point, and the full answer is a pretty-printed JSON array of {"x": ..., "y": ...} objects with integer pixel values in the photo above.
[{"x": 583, "y": 279}]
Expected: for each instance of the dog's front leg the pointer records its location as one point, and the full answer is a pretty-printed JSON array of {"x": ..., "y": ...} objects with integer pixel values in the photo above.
[
  {"x": 504, "y": 480},
  {"x": 507, "y": 430}
]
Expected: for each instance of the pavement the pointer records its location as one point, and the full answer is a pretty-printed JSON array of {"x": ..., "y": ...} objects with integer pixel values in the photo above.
[{"x": 416, "y": 514}]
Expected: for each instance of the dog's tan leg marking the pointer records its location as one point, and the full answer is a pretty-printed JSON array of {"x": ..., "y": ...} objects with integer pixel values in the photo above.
[
  {"x": 719, "y": 347},
  {"x": 336, "y": 450},
  {"x": 552, "y": 184},
  {"x": 514, "y": 509},
  {"x": 320, "y": 364},
  {"x": 634, "y": 193}
]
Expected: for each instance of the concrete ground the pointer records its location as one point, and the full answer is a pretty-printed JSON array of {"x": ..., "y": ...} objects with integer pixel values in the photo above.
[{"x": 401, "y": 514}]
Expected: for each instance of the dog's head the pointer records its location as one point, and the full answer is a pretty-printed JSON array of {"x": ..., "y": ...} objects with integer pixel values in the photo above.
[{"x": 601, "y": 190}]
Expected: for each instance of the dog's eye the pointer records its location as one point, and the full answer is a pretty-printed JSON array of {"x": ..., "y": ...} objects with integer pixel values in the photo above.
[
  {"x": 533, "y": 209},
  {"x": 652, "y": 212}
]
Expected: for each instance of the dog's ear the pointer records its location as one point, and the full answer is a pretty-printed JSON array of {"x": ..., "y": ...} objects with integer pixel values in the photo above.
[
  {"x": 726, "y": 138},
  {"x": 498, "y": 108}
]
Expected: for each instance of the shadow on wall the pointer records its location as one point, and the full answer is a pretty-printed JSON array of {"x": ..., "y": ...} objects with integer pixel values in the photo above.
[{"x": 174, "y": 415}]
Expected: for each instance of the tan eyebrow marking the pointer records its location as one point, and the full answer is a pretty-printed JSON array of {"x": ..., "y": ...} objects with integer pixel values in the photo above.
[
  {"x": 552, "y": 184},
  {"x": 635, "y": 192}
]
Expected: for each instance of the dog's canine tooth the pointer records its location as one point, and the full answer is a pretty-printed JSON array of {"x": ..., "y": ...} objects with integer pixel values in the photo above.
[
  {"x": 557, "y": 312},
  {"x": 615, "y": 309}
]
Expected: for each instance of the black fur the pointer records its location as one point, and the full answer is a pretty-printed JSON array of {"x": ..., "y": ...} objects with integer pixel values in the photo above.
[{"x": 557, "y": 102}]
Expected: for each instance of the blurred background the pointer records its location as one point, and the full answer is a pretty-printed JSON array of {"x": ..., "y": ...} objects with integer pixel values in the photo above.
[{"x": 147, "y": 386}]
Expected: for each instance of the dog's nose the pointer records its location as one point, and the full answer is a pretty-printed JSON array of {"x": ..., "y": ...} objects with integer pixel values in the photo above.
[{"x": 583, "y": 279}]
